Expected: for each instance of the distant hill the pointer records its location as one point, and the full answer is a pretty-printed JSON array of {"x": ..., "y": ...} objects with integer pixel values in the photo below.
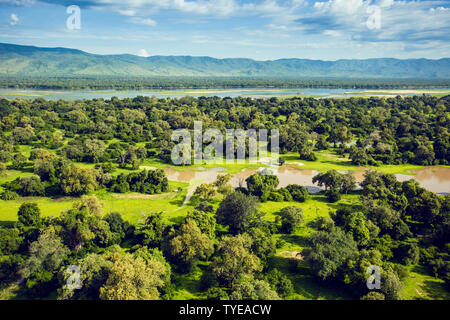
[{"x": 16, "y": 60}]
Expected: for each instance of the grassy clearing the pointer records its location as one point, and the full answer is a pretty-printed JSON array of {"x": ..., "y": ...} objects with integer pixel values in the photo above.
[
  {"x": 419, "y": 285},
  {"x": 327, "y": 160},
  {"x": 131, "y": 207}
]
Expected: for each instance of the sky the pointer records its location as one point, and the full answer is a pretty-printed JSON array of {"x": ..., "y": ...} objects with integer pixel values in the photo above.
[{"x": 256, "y": 29}]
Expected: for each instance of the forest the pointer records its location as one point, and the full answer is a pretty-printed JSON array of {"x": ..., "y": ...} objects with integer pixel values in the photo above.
[{"x": 225, "y": 242}]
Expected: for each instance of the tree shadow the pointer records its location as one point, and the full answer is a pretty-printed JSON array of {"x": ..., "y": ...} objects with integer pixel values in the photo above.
[
  {"x": 339, "y": 163},
  {"x": 7, "y": 224},
  {"x": 177, "y": 220},
  {"x": 435, "y": 290},
  {"x": 302, "y": 241}
]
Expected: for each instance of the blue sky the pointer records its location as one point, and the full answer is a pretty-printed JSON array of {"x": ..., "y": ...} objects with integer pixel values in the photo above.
[{"x": 257, "y": 29}]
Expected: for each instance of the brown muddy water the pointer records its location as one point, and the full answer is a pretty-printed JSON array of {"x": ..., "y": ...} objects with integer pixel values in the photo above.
[{"x": 435, "y": 179}]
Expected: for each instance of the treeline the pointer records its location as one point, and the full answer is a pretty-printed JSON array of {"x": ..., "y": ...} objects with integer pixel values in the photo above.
[
  {"x": 101, "y": 83},
  {"x": 56, "y": 176},
  {"x": 124, "y": 132}
]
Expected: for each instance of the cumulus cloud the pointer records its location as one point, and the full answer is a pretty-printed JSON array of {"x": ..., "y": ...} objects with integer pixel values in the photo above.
[
  {"x": 405, "y": 21},
  {"x": 143, "y": 53},
  {"x": 14, "y": 19}
]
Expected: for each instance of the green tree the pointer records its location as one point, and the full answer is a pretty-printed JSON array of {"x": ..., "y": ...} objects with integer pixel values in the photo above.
[
  {"x": 205, "y": 191},
  {"x": 188, "y": 245},
  {"x": 298, "y": 193},
  {"x": 47, "y": 253},
  {"x": 206, "y": 222},
  {"x": 238, "y": 211},
  {"x": 134, "y": 278},
  {"x": 251, "y": 289},
  {"x": 150, "y": 233},
  {"x": 3, "y": 170},
  {"x": 76, "y": 181},
  {"x": 330, "y": 179},
  {"x": 263, "y": 245},
  {"x": 260, "y": 185},
  {"x": 90, "y": 203},
  {"x": 374, "y": 295},
  {"x": 94, "y": 271},
  {"x": 391, "y": 285},
  {"x": 29, "y": 214},
  {"x": 10, "y": 241},
  {"x": 348, "y": 183},
  {"x": 280, "y": 283},
  {"x": 234, "y": 259},
  {"x": 291, "y": 218},
  {"x": 329, "y": 251}
]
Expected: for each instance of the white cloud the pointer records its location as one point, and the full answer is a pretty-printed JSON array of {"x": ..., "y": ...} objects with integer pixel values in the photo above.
[
  {"x": 332, "y": 33},
  {"x": 14, "y": 19},
  {"x": 143, "y": 53},
  {"x": 210, "y": 8},
  {"x": 400, "y": 21},
  {"x": 143, "y": 21},
  {"x": 18, "y": 2}
]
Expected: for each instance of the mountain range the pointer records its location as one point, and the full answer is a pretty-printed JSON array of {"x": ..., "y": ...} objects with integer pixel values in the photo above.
[{"x": 18, "y": 60}]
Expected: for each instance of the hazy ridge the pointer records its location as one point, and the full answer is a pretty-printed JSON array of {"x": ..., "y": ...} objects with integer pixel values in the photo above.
[{"x": 17, "y": 60}]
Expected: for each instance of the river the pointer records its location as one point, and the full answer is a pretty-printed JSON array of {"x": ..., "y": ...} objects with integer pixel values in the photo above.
[
  {"x": 250, "y": 92},
  {"x": 435, "y": 179}
]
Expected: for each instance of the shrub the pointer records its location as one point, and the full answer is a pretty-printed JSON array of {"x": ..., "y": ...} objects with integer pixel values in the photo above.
[
  {"x": 333, "y": 195},
  {"x": 291, "y": 218},
  {"x": 298, "y": 193},
  {"x": 9, "y": 195},
  {"x": 276, "y": 197},
  {"x": 204, "y": 206}
]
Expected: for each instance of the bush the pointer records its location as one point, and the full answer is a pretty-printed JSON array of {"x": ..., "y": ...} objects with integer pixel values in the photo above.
[
  {"x": 276, "y": 197},
  {"x": 374, "y": 295},
  {"x": 285, "y": 193},
  {"x": 280, "y": 283},
  {"x": 291, "y": 218},
  {"x": 298, "y": 193},
  {"x": 407, "y": 253},
  {"x": 29, "y": 214},
  {"x": 41, "y": 284},
  {"x": 333, "y": 195},
  {"x": 216, "y": 294},
  {"x": 308, "y": 156},
  {"x": 9, "y": 195},
  {"x": 280, "y": 243},
  {"x": 325, "y": 223},
  {"x": 204, "y": 206}
]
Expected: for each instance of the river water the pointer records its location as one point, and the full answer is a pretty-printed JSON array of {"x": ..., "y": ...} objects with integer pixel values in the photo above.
[
  {"x": 435, "y": 179},
  {"x": 250, "y": 92}
]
